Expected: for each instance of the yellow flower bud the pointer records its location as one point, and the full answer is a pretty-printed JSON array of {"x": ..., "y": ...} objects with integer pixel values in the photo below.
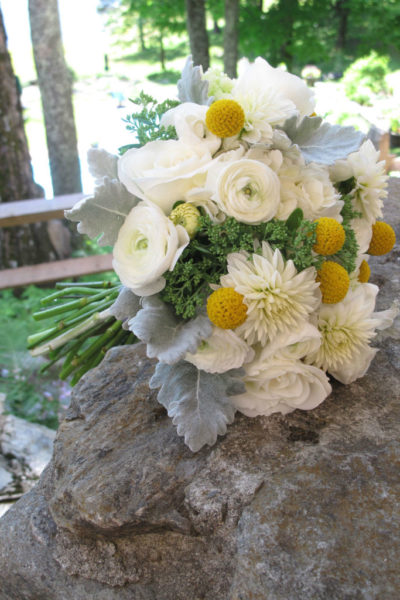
[
  {"x": 225, "y": 118},
  {"x": 188, "y": 216},
  {"x": 226, "y": 309},
  {"x": 334, "y": 282}
]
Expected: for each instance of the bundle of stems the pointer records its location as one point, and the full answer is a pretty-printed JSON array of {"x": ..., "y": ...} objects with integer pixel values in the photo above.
[{"x": 82, "y": 327}]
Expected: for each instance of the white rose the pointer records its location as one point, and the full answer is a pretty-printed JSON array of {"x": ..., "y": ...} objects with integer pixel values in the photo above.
[
  {"x": 164, "y": 170},
  {"x": 247, "y": 190},
  {"x": 189, "y": 120},
  {"x": 307, "y": 187},
  {"x": 148, "y": 245},
  {"x": 222, "y": 351},
  {"x": 278, "y": 381}
]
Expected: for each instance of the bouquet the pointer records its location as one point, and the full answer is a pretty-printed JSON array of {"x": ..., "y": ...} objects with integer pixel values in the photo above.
[{"x": 241, "y": 227}]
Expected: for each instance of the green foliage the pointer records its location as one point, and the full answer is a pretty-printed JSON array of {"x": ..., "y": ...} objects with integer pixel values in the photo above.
[
  {"x": 27, "y": 396},
  {"x": 365, "y": 77},
  {"x": 146, "y": 122},
  {"x": 204, "y": 260}
]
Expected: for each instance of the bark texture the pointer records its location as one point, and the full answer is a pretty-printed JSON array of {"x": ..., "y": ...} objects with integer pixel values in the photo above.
[
  {"x": 56, "y": 91},
  {"x": 196, "y": 25},
  {"x": 231, "y": 37},
  {"x": 30, "y": 244},
  {"x": 16, "y": 178}
]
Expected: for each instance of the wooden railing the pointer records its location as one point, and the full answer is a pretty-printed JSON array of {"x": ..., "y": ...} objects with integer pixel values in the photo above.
[{"x": 33, "y": 211}]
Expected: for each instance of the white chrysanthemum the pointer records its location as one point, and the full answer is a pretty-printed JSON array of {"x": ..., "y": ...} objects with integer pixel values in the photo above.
[
  {"x": 370, "y": 180},
  {"x": 363, "y": 232},
  {"x": 307, "y": 187},
  {"x": 263, "y": 103},
  {"x": 278, "y": 297},
  {"x": 222, "y": 351},
  {"x": 347, "y": 328},
  {"x": 278, "y": 381}
]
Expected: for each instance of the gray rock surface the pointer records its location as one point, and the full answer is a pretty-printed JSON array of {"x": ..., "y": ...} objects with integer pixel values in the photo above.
[{"x": 301, "y": 507}]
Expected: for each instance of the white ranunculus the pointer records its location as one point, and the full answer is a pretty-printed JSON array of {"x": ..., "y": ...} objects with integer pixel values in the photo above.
[
  {"x": 222, "y": 351},
  {"x": 278, "y": 381},
  {"x": 164, "y": 171},
  {"x": 347, "y": 328},
  {"x": 189, "y": 120},
  {"x": 148, "y": 245},
  {"x": 370, "y": 180},
  {"x": 247, "y": 190}
]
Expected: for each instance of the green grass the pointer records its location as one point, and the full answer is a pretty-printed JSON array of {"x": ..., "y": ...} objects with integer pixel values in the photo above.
[{"x": 30, "y": 394}]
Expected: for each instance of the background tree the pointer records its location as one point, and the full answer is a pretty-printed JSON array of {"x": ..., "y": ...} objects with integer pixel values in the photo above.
[
  {"x": 33, "y": 243},
  {"x": 55, "y": 85},
  {"x": 231, "y": 37},
  {"x": 197, "y": 30}
]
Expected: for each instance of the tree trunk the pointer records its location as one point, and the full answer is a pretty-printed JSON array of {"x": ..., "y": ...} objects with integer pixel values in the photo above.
[
  {"x": 342, "y": 12},
  {"x": 32, "y": 243},
  {"x": 162, "y": 51},
  {"x": 56, "y": 92},
  {"x": 231, "y": 37},
  {"x": 141, "y": 34},
  {"x": 196, "y": 26}
]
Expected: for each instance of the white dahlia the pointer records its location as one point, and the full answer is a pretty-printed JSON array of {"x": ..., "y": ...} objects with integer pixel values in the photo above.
[
  {"x": 222, "y": 351},
  {"x": 370, "y": 180},
  {"x": 278, "y": 297},
  {"x": 347, "y": 328}
]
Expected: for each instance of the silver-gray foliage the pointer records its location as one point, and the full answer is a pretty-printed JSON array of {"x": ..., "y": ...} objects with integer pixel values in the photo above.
[
  {"x": 192, "y": 87},
  {"x": 104, "y": 213},
  {"x": 125, "y": 307},
  {"x": 322, "y": 142},
  {"x": 168, "y": 338},
  {"x": 198, "y": 402},
  {"x": 102, "y": 164}
]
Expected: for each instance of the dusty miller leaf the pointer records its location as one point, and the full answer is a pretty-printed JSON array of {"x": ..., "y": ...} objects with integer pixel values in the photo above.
[
  {"x": 168, "y": 338},
  {"x": 191, "y": 86},
  {"x": 105, "y": 212},
  {"x": 197, "y": 401},
  {"x": 102, "y": 164},
  {"x": 125, "y": 307},
  {"x": 322, "y": 143}
]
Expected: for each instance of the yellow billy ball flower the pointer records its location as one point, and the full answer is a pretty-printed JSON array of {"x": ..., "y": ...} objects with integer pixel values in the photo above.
[
  {"x": 225, "y": 118},
  {"x": 226, "y": 309},
  {"x": 330, "y": 236},
  {"x": 383, "y": 239},
  {"x": 334, "y": 282},
  {"x": 364, "y": 272},
  {"x": 188, "y": 216}
]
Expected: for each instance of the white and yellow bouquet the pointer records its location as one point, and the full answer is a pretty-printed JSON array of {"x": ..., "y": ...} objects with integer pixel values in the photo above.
[{"x": 241, "y": 227}]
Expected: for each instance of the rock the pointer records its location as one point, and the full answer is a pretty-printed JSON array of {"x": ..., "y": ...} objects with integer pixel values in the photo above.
[
  {"x": 5, "y": 476},
  {"x": 27, "y": 442},
  {"x": 299, "y": 506}
]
